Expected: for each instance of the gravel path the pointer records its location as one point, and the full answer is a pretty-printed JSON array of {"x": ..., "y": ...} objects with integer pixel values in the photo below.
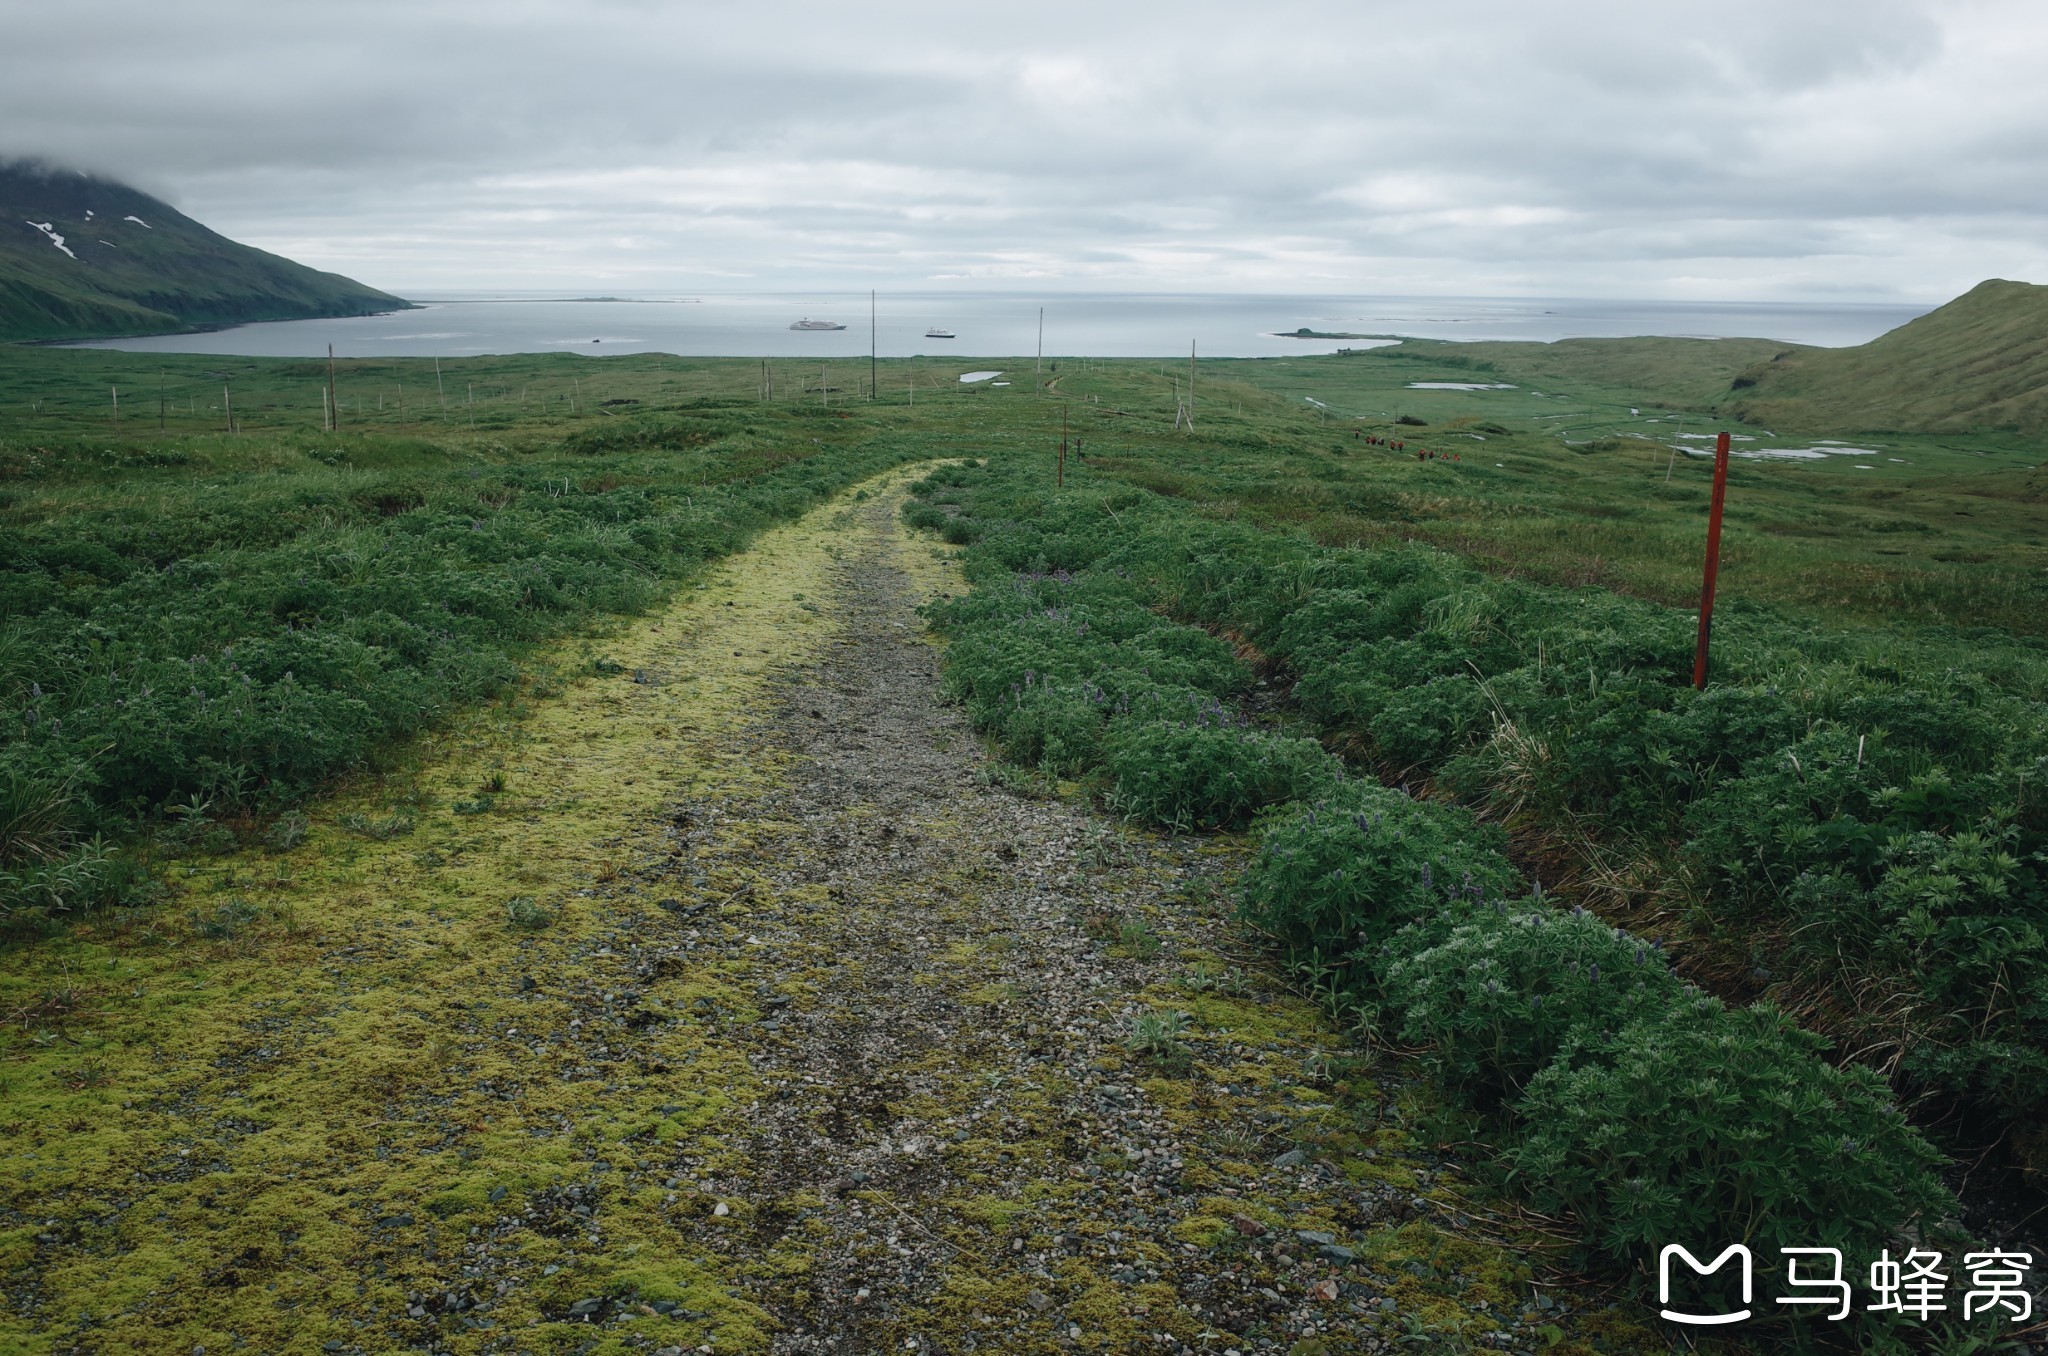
[{"x": 957, "y": 1147}]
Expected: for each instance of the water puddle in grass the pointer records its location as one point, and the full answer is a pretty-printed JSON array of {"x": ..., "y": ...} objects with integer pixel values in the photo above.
[
  {"x": 1461, "y": 386},
  {"x": 1817, "y": 452},
  {"x": 979, "y": 376}
]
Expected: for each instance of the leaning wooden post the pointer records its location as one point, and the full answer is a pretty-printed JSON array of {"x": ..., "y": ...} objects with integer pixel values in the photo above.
[
  {"x": 333, "y": 405},
  {"x": 1699, "y": 663}
]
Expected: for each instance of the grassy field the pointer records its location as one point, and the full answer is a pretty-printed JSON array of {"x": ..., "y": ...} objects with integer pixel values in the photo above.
[
  {"x": 208, "y": 621},
  {"x": 1556, "y": 479}
]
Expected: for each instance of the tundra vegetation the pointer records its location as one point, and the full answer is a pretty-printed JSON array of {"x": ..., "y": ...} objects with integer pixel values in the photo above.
[{"x": 1718, "y": 938}]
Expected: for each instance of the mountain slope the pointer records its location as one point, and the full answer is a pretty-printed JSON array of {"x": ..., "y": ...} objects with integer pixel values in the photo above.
[
  {"x": 82, "y": 257},
  {"x": 1979, "y": 362}
]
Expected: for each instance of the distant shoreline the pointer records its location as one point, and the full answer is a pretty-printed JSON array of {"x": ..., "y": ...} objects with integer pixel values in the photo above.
[
  {"x": 990, "y": 326},
  {"x": 528, "y": 301},
  {"x": 209, "y": 327}
]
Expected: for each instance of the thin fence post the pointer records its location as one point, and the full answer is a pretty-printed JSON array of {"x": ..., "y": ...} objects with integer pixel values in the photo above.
[{"x": 1699, "y": 662}]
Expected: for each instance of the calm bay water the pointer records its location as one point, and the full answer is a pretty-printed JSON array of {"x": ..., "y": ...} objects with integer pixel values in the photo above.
[{"x": 1004, "y": 325}]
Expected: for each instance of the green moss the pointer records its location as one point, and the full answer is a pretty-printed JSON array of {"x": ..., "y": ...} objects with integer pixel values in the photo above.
[{"x": 388, "y": 965}]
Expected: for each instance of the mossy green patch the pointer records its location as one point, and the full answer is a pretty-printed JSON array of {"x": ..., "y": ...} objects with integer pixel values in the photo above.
[{"x": 340, "y": 1070}]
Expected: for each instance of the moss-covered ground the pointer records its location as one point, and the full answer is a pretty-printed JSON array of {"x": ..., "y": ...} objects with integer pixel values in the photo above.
[{"x": 274, "y": 1113}]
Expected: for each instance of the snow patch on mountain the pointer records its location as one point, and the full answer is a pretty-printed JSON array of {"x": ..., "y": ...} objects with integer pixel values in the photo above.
[{"x": 48, "y": 228}]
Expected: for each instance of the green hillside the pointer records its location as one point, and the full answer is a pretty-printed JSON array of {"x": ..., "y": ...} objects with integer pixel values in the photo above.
[
  {"x": 1660, "y": 369},
  {"x": 1980, "y": 362},
  {"x": 85, "y": 257}
]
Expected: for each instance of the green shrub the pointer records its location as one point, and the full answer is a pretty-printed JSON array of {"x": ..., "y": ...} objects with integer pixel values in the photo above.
[
  {"x": 1211, "y": 774},
  {"x": 1334, "y": 880},
  {"x": 1705, "y": 1122},
  {"x": 1507, "y": 989},
  {"x": 1650, "y": 1113},
  {"x": 260, "y": 633}
]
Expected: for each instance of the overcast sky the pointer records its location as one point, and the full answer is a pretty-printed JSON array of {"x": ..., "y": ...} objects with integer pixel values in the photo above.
[{"x": 1742, "y": 149}]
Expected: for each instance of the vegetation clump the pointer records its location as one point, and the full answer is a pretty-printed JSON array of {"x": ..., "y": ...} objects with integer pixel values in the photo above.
[
  {"x": 1568, "y": 1034},
  {"x": 204, "y": 666}
]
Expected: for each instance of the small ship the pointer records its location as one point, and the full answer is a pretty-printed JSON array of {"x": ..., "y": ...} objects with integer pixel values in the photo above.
[
  {"x": 808, "y": 324},
  {"x": 936, "y": 333}
]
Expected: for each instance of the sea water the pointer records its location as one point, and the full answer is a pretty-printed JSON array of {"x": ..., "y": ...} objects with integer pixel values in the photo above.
[{"x": 1002, "y": 325}]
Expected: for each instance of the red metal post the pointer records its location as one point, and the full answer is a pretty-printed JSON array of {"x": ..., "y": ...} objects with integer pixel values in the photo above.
[{"x": 1699, "y": 663}]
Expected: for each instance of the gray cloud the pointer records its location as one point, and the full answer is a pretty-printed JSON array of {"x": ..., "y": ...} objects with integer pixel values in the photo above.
[{"x": 1733, "y": 149}]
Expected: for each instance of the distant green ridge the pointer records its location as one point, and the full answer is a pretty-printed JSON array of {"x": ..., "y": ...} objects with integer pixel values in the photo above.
[
  {"x": 1979, "y": 362},
  {"x": 132, "y": 264}
]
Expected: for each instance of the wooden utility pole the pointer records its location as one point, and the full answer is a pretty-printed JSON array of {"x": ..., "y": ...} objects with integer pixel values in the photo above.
[
  {"x": 117, "y": 403},
  {"x": 872, "y": 387},
  {"x": 1038, "y": 363},
  {"x": 333, "y": 405},
  {"x": 440, "y": 389},
  {"x": 1191, "y": 386},
  {"x": 1699, "y": 662}
]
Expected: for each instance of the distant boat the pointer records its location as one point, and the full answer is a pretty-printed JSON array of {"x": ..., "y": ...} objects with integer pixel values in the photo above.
[
  {"x": 936, "y": 333},
  {"x": 809, "y": 324}
]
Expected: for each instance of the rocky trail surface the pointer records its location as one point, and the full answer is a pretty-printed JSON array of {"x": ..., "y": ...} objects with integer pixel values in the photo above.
[{"x": 727, "y": 1000}]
